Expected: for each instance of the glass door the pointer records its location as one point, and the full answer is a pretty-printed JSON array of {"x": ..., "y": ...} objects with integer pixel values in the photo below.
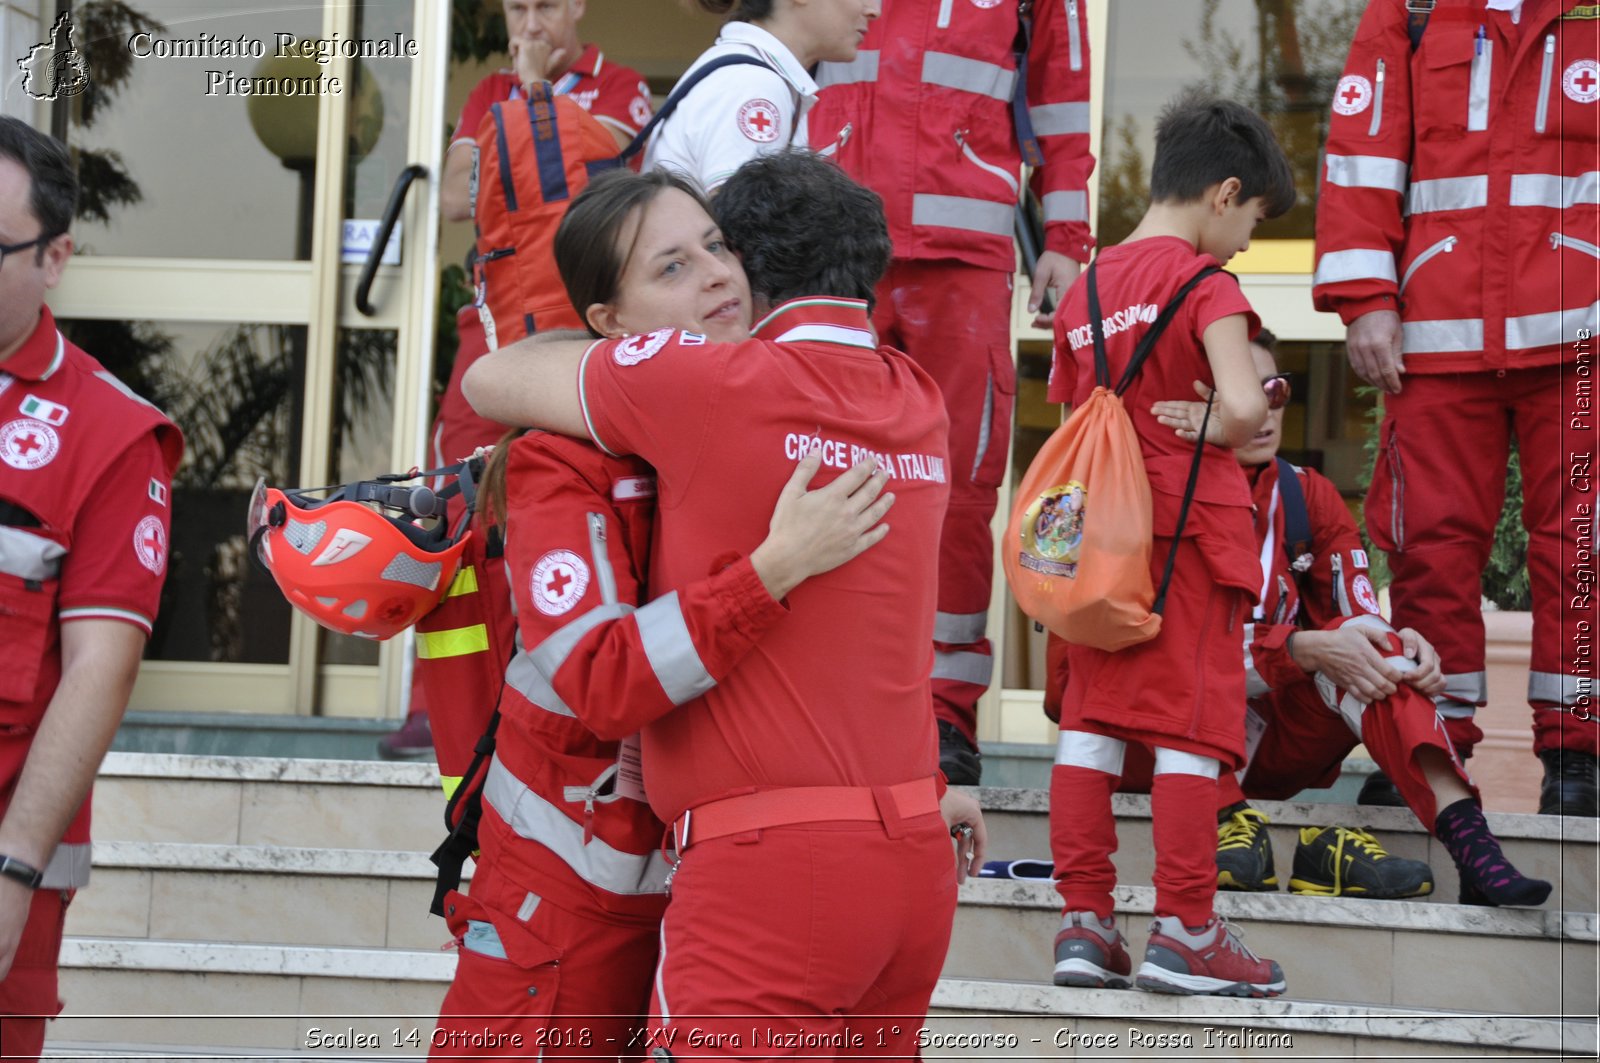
[{"x": 239, "y": 165}]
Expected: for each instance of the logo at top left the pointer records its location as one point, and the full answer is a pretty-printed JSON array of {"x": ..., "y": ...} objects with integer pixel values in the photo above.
[
  {"x": 28, "y": 444},
  {"x": 55, "y": 68}
]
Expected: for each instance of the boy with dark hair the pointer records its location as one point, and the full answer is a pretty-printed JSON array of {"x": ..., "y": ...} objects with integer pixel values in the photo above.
[
  {"x": 1217, "y": 173},
  {"x": 767, "y": 210}
]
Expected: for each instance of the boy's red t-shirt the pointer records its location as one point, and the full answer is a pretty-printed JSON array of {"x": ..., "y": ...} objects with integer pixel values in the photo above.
[{"x": 1135, "y": 281}]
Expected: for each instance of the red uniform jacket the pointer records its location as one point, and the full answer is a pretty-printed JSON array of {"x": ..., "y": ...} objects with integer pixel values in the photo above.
[
  {"x": 923, "y": 117},
  {"x": 594, "y": 666},
  {"x": 1461, "y": 183},
  {"x": 1333, "y": 584}
]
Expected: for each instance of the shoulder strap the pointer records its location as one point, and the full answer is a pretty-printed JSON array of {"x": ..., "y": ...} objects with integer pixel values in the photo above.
[
  {"x": 683, "y": 89},
  {"x": 1417, "y": 14},
  {"x": 1296, "y": 518},
  {"x": 1141, "y": 353},
  {"x": 1027, "y": 140},
  {"x": 462, "y": 840}
]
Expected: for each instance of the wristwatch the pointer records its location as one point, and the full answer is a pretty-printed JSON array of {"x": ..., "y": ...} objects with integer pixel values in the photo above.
[{"x": 27, "y": 874}]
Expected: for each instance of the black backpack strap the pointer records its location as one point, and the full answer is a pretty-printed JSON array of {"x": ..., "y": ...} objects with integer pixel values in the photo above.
[
  {"x": 1102, "y": 368},
  {"x": 683, "y": 89},
  {"x": 463, "y": 827},
  {"x": 1027, "y": 140},
  {"x": 1147, "y": 342},
  {"x": 1183, "y": 510},
  {"x": 1417, "y": 14},
  {"x": 1296, "y": 517}
]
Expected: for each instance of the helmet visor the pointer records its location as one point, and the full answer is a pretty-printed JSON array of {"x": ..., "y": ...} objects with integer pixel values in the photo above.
[{"x": 256, "y": 516}]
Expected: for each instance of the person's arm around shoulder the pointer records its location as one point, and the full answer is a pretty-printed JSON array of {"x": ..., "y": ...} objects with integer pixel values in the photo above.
[
  {"x": 531, "y": 382},
  {"x": 99, "y": 661}
]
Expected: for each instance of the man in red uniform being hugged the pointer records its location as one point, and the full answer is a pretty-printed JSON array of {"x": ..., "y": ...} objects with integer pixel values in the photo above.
[
  {"x": 927, "y": 116},
  {"x": 544, "y": 46},
  {"x": 85, "y": 477},
  {"x": 1459, "y": 241}
]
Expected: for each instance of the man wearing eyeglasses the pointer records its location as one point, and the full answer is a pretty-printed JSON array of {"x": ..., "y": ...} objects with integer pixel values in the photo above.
[{"x": 85, "y": 475}]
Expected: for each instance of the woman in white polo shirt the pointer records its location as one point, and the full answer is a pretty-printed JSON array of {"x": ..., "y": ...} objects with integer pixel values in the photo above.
[{"x": 741, "y": 111}]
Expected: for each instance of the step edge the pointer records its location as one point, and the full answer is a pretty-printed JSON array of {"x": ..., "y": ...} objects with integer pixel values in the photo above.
[
  {"x": 216, "y": 768},
  {"x": 300, "y": 961},
  {"x": 200, "y": 857}
]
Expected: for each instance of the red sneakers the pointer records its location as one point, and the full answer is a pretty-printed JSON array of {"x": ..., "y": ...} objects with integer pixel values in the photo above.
[
  {"x": 1092, "y": 954},
  {"x": 1211, "y": 960}
]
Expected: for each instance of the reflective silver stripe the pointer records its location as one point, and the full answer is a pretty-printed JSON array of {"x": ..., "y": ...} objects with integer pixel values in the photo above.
[
  {"x": 1432, "y": 337},
  {"x": 1080, "y": 749},
  {"x": 864, "y": 67},
  {"x": 68, "y": 868},
  {"x": 1357, "y": 264},
  {"x": 1377, "y": 102},
  {"x": 1478, "y": 93},
  {"x": 1464, "y": 688},
  {"x": 28, "y": 556},
  {"x": 1177, "y": 762},
  {"x": 1059, "y": 119},
  {"x": 1553, "y": 190},
  {"x": 125, "y": 390},
  {"x": 1551, "y": 329},
  {"x": 1066, "y": 206},
  {"x": 1367, "y": 171},
  {"x": 1561, "y": 689},
  {"x": 531, "y": 672},
  {"x": 1542, "y": 111},
  {"x": 968, "y": 75},
  {"x": 1444, "y": 246},
  {"x": 1254, "y": 685},
  {"x": 958, "y": 629},
  {"x": 596, "y": 862},
  {"x": 1560, "y": 240},
  {"x": 959, "y": 212},
  {"x": 604, "y": 575},
  {"x": 1074, "y": 37},
  {"x": 983, "y": 423},
  {"x": 943, "y": 21},
  {"x": 671, "y": 651},
  {"x": 975, "y": 668},
  {"x": 1447, "y": 193}
]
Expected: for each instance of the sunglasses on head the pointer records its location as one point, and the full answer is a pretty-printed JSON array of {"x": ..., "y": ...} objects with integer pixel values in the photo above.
[{"x": 1277, "y": 391}]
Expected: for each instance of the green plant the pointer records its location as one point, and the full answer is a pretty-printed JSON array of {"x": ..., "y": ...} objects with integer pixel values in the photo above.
[{"x": 1505, "y": 576}]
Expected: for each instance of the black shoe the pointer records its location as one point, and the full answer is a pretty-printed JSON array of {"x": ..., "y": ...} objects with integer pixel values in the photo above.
[
  {"x": 958, "y": 758},
  {"x": 1569, "y": 787},
  {"x": 1244, "y": 851},
  {"x": 1379, "y": 789},
  {"x": 414, "y": 740},
  {"x": 1342, "y": 862}
]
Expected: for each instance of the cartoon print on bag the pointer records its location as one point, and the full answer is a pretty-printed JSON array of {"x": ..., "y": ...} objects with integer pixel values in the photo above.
[{"x": 1052, "y": 533}]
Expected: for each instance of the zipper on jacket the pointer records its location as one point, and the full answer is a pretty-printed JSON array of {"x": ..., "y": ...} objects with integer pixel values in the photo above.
[
  {"x": 602, "y": 789},
  {"x": 944, "y": 14},
  {"x": 1560, "y": 240},
  {"x": 966, "y": 149},
  {"x": 1377, "y": 102},
  {"x": 1444, "y": 246},
  {"x": 844, "y": 135},
  {"x": 1543, "y": 111},
  {"x": 1074, "y": 37},
  {"x": 1397, "y": 490},
  {"x": 602, "y": 559},
  {"x": 1479, "y": 85}
]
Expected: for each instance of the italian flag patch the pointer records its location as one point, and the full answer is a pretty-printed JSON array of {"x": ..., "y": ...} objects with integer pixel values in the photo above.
[
  {"x": 158, "y": 492},
  {"x": 51, "y": 413}
]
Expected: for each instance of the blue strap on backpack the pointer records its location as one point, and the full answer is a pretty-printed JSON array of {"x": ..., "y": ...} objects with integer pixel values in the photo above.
[{"x": 1296, "y": 518}]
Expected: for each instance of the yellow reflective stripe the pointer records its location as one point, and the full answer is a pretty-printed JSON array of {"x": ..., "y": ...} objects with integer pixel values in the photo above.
[
  {"x": 456, "y": 642},
  {"x": 451, "y": 784},
  {"x": 466, "y": 582}
]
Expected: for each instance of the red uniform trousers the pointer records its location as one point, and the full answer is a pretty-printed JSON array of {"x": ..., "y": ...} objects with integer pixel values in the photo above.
[
  {"x": 1183, "y": 691},
  {"x": 570, "y": 983},
  {"x": 1435, "y": 497},
  {"x": 955, "y": 320},
  {"x": 31, "y": 987},
  {"x": 807, "y": 941}
]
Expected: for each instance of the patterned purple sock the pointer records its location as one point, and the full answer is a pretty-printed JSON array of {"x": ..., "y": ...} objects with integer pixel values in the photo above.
[{"x": 1487, "y": 877}]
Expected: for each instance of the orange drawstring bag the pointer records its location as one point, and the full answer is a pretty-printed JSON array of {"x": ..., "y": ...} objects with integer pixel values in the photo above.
[{"x": 1077, "y": 549}]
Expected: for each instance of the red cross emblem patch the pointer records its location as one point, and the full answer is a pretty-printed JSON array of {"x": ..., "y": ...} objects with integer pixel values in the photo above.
[
  {"x": 150, "y": 544},
  {"x": 760, "y": 121},
  {"x": 559, "y": 579},
  {"x": 1352, "y": 95},
  {"x": 1581, "y": 81},
  {"x": 28, "y": 444}
]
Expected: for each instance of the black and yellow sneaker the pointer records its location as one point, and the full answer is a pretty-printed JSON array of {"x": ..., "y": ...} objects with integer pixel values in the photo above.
[
  {"x": 1244, "y": 851},
  {"x": 1345, "y": 862}
]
